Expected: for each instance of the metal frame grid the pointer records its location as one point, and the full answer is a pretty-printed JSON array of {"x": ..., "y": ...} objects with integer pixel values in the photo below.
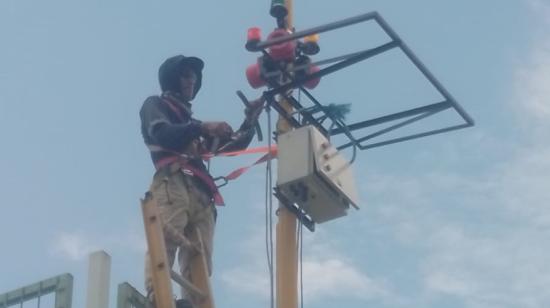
[
  {"x": 129, "y": 297},
  {"x": 61, "y": 285},
  {"x": 337, "y": 126}
]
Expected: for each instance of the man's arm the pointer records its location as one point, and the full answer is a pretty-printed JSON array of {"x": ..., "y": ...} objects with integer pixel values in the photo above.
[
  {"x": 161, "y": 131},
  {"x": 176, "y": 137}
]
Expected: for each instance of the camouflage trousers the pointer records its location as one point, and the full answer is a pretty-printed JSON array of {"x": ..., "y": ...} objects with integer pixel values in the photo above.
[{"x": 185, "y": 206}]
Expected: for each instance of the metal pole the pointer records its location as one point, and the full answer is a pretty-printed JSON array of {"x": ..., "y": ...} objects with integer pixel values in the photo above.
[{"x": 286, "y": 252}]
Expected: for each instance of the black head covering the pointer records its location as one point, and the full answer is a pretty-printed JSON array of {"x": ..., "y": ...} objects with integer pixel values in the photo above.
[{"x": 170, "y": 72}]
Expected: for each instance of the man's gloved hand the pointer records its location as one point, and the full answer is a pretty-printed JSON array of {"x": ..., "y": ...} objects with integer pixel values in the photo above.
[{"x": 220, "y": 130}]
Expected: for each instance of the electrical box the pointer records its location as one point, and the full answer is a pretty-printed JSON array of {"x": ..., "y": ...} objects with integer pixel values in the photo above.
[{"x": 314, "y": 175}]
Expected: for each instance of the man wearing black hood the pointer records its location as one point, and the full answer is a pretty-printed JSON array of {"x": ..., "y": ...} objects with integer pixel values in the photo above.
[{"x": 182, "y": 187}]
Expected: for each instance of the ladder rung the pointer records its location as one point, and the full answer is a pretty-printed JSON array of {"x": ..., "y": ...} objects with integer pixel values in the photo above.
[
  {"x": 173, "y": 232},
  {"x": 186, "y": 284}
]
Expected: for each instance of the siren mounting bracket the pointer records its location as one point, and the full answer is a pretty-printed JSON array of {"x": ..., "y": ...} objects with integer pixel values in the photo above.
[{"x": 338, "y": 126}]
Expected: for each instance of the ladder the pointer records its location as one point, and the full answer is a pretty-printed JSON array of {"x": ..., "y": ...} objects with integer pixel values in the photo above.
[{"x": 199, "y": 287}]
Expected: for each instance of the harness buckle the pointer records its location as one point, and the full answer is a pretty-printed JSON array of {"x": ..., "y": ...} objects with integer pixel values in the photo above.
[{"x": 223, "y": 178}]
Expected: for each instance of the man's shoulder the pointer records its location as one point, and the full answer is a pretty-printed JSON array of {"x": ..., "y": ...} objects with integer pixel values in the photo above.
[
  {"x": 151, "y": 102},
  {"x": 153, "y": 108},
  {"x": 153, "y": 99}
]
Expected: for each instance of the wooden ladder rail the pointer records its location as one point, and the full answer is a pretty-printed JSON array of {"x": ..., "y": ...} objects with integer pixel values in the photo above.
[{"x": 200, "y": 287}]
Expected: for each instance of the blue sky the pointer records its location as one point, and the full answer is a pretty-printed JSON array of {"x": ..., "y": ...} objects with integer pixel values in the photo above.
[{"x": 456, "y": 220}]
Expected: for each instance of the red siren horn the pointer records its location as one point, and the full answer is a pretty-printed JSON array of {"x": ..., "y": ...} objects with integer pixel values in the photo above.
[
  {"x": 254, "y": 77},
  {"x": 283, "y": 51},
  {"x": 311, "y": 84}
]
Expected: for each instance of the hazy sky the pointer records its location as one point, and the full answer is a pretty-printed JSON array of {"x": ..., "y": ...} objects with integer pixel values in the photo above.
[{"x": 455, "y": 220}]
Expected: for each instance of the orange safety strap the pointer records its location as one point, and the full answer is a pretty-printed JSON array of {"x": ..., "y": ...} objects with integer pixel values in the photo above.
[
  {"x": 270, "y": 154},
  {"x": 263, "y": 149}
]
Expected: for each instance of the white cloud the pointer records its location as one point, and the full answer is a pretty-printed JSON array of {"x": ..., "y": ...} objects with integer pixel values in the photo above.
[
  {"x": 76, "y": 246},
  {"x": 493, "y": 252},
  {"x": 533, "y": 81},
  {"x": 249, "y": 280},
  {"x": 251, "y": 276},
  {"x": 334, "y": 278},
  {"x": 533, "y": 78},
  {"x": 485, "y": 237},
  {"x": 330, "y": 276},
  {"x": 72, "y": 246},
  {"x": 507, "y": 269},
  {"x": 541, "y": 7}
]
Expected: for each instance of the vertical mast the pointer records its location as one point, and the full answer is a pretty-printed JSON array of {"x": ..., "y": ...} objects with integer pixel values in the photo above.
[{"x": 286, "y": 252}]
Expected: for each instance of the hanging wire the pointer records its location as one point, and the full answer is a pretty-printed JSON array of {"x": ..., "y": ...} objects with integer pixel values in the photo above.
[
  {"x": 267, "y": 232},
  {"x": 354, "y": 146},
  {"x": 269, "y": 261},
  {"x": 300, "y": 234},
  {"x": 269, "y": 210}
]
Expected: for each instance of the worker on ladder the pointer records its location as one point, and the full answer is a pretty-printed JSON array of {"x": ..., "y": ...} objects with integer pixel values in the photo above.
[{"x": 182, "y": 186}]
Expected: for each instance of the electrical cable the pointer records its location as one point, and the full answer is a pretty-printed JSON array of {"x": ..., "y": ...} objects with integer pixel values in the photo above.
[
  {"x": 354, "y": 146},
  {"x": 269, "y": 210},
  {"x": 300, "y": 234},
  {"x": 269, "y": 261},
  {"x": 301, "y": 237}
]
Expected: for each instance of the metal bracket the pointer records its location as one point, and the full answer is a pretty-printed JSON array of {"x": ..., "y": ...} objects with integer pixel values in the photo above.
[
  {"x": 295, "y": 209},
  {"x": 256, "y": 124},
  {"x": 336, "y": 126}
]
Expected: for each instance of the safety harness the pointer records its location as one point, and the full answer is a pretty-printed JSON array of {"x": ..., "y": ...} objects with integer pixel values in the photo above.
[
  {"x": 183, "y": 159},
  {"x": 190, "y": 170}
]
